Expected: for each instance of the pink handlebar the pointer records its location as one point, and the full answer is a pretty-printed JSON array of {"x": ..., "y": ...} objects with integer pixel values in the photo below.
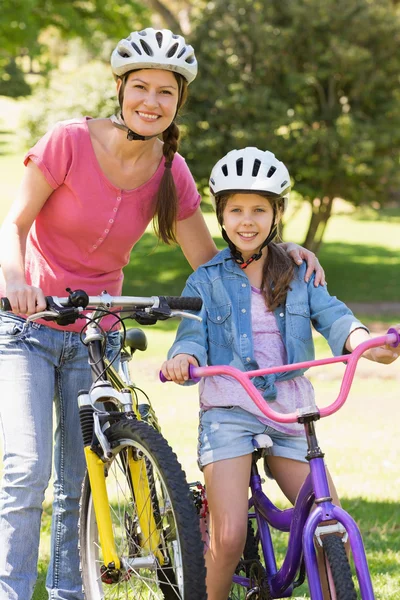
[{"x": 392, "y": 338}]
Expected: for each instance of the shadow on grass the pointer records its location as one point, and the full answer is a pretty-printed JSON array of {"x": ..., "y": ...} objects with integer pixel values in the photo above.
[
  {"x": 355, "y": 272},
  {"x": 362, "y": 273}
]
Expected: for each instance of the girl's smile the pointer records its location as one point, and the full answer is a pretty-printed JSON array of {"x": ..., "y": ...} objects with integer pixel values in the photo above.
[{"x": 248, "y": 220}]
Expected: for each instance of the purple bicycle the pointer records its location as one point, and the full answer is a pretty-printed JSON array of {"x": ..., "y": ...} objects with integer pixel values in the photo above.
[{"x": 257, "y": 576}]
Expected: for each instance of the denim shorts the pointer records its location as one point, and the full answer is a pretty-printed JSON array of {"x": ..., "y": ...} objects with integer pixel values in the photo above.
[{"x": 228, "y": 432}]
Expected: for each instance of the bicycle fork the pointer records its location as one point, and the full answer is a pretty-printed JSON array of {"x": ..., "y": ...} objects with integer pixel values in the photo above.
[
  {"x": 138, "y": 483},
  {"x": 326, "y": 511}
]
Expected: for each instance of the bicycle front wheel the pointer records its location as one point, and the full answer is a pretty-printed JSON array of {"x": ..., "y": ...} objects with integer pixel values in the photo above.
[
  {"x": 340, "y": 578},
  {"x": 172, "y": 568}
]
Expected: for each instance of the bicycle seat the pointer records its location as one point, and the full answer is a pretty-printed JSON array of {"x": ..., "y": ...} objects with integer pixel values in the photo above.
[
  {"x": 136, "y": 339},
  {"x": 262, "y": 440}
]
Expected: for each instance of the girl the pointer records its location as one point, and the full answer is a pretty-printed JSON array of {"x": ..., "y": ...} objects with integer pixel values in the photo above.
[
  {"x": 257, "y": 312},
  {"x": 90, "y": 188}
]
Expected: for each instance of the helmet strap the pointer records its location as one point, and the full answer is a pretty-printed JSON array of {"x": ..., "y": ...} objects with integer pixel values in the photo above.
[{"x": 118, "y": 121}]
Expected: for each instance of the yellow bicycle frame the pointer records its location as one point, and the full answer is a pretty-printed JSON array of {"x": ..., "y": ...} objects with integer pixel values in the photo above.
[{"x": 150, "y": 539}]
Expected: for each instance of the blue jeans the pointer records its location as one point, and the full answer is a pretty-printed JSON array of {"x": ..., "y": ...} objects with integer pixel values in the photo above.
[{"x": 39, "y": 366}]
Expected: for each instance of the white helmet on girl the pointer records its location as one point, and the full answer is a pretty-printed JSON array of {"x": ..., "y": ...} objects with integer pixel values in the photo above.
[
  {"x": 154, "y": 49},
  {"x": 250, "y": 170}
]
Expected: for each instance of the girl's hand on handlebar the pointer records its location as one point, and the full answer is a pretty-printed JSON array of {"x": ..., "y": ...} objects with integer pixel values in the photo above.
[
  {"x": 25, "y": 299},
  {"x": 384, "y": 354},
  {"x": 298, "y": 254},
  {"x": 177, "y": 369}
]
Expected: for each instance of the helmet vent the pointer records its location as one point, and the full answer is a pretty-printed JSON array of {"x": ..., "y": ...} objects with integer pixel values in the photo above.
[
  {"x": 224, "y": 169},
  {"x": 124, "y": 54},
  {"x": 190, "y": 59},
  {"x": 172, "y": 50},
  {"x": 271, "y": 171},
  {"x": 256, "y": 167},
  {"x": 146, "y": 48},
  {"x": 142, "y": 33},
  {"x": 135, "y": 47},
  {"x": 175, "y": 37},
  {"x": 159, "y": 38},
  {"x": 182, "y": 52},
  {"x": 239, "y": 166}
]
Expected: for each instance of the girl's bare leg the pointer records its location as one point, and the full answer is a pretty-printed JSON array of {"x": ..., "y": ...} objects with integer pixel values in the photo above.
[{"x": 227, "y": 484}]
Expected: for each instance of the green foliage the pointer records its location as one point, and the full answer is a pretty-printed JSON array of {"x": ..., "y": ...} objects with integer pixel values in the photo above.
[
  {"x": 88, "y": 91},
  {"x": 316, "y": 81},
  {"x": 12, "y": 81},
  {"x": 23, "y": 20},
  {"x": 23, "y": 23}
]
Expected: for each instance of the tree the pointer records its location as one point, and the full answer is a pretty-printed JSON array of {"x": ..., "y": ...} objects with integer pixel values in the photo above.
[
  {"x": 315, "y": 81},
  {"x": 23, "y": 23}
]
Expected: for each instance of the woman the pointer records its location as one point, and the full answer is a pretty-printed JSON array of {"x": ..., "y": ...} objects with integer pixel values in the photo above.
[{"x": 89, "y": 191}]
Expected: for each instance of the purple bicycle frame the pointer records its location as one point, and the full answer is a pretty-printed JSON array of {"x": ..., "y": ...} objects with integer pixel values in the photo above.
[{"x": 299, "y": 521}]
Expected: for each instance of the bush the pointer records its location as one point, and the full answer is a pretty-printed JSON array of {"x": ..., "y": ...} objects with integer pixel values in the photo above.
[{"x": 89, "y": 91}]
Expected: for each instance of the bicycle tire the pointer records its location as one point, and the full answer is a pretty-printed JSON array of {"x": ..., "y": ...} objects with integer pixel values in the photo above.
[
  {"x": 178, "y": 527},
  {"x": 338, "y": 561}
]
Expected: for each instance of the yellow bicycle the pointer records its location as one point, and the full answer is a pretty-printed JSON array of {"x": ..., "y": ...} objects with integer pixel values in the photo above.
[{"x": 139, "y": 530}]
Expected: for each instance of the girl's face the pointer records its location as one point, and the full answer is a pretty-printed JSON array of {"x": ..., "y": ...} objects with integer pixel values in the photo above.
[
  {"x": 247, "y": 219},
  {"x": 150, "y": 100}
]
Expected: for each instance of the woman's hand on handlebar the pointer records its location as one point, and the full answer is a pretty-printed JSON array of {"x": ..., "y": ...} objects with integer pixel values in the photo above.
[
  {"x": 177, "y": 369},
  {"x": 25, "y": 299}
]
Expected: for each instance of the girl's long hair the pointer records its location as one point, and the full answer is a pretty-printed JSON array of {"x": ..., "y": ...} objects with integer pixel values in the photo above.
[
  {"x": 166, "y": 205},
  {"x": 278, "y": 269}
]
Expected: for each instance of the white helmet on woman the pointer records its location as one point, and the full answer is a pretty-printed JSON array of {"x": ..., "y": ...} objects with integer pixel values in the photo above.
[
  {"x": 250, "y": 170},
  {"x": 154, "y": 49}
]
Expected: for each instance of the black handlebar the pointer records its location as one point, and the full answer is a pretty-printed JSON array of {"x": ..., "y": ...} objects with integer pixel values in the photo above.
[{"x": 183, "y": 303}]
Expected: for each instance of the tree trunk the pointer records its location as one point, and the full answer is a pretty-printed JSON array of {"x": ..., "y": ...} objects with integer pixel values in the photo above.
[
  {"x": 321, "y": 211},
  {"x": 169, "y": 18}
]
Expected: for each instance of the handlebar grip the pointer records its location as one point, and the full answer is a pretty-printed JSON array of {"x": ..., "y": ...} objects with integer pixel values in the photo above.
[
  {"x": 397, "y": 334},
  {"x": 192, "y": 377},
  {"x": 184, "y": 302},
  {"x": 5, "y": 304}
]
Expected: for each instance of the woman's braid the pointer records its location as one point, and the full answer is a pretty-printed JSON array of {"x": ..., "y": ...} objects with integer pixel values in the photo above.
[
  {"x": 171, "y": 142},
  {"x": 167, "y": 197}
]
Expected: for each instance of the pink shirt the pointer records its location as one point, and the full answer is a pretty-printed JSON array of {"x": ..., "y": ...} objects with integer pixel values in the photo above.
[
  {"x": 83, "y": 236},
  {"x": 269, "y": 351}
]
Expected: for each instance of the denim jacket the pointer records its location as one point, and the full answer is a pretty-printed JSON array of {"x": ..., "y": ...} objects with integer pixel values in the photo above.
[{"x": 225, "y": 334}]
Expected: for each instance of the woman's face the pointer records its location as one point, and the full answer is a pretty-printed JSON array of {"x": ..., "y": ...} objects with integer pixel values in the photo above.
[
  {"x": 247, "y": 219},
  {"x": 150, "y": 100}
]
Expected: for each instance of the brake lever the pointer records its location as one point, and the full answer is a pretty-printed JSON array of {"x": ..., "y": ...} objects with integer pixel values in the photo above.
[
  {"x": 186, "y": 315},
  {"x": 62, "y": 315}
]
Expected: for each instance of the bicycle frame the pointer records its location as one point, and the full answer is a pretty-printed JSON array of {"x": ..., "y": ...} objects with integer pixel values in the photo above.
[
  {"x": 299, "y": 520},
  {"x": 112, "y": 386}
]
